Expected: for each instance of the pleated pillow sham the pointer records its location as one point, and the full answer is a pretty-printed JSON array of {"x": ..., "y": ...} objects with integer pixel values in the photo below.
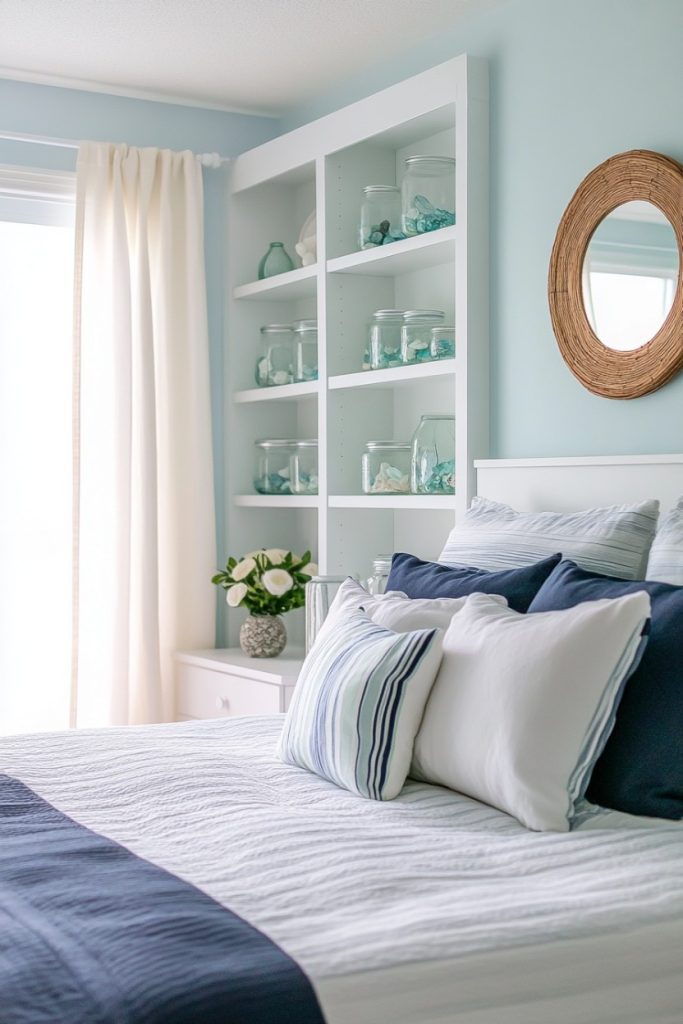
[{"x": 615, "y": 541}]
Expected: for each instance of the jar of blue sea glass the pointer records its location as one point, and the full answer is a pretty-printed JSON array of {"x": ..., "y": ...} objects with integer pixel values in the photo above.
[
  {"x": 416, "y": 334},
  {"x": 303, "y": 468},
  {"x": 442, "y": 343},
  {"x": 428, "y": 194},
  {"x": 385, "y": 467},
  {"x": 272, "y": 474},
  {"x": 432, "y": 464},
  {"x": 380, "y": 216},
  {"x": 305, "y": 350},
  {"x": 277, "y": 340},
  {"x": 385, "y": 338}
]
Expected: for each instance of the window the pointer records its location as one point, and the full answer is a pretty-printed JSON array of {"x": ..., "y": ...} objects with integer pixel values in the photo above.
[{"x": 36, "y": 298}]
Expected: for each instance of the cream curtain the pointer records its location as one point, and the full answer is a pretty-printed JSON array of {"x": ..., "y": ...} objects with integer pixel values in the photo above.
[{"x": 144, "y": 530}]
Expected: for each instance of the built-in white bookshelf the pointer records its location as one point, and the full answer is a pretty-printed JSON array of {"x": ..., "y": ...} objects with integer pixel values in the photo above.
[{"x": 323, "y": 166}]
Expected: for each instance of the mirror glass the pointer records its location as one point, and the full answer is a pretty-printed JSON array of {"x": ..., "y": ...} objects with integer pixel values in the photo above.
[{"x": 629, "y": 276}]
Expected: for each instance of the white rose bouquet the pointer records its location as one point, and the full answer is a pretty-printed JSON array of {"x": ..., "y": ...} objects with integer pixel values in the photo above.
[{"x": 266, "y": 582}]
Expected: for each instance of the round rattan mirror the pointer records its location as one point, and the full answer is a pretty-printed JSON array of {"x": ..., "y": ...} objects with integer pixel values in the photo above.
[{"x": 615, "y": 284}]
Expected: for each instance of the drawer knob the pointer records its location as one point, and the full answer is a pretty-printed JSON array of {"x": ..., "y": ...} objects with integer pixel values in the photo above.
[{"x": 222, "y": 703}]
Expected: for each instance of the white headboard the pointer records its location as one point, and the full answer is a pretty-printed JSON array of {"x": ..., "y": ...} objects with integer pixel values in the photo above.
[{"x": 572, "y": 484}]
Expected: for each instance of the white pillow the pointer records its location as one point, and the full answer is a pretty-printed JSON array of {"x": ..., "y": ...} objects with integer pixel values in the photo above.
[
  {"x": 614, "y": 541},
  {"x": 666, "y": 555},
  {"x": 523, "y": 704},
  {"x": 394, "y": 610}
]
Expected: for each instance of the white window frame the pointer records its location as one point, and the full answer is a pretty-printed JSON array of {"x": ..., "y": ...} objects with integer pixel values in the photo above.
[{"x": 32, "y": 196}]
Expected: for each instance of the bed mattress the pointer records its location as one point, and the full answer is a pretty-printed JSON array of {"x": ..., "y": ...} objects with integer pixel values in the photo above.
[{"x": 428, "y": 909}]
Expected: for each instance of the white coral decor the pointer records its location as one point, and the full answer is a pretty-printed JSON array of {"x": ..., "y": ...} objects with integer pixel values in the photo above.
[
  {"x": 236, "y": 594},
  {"x": 277, "y": 582},
  {"x": 243, "y": 568}
]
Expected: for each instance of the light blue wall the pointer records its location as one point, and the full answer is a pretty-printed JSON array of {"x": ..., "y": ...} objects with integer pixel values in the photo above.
[
  {"x": 76, "y": 114},
  {"x": 571, "y": 84}
]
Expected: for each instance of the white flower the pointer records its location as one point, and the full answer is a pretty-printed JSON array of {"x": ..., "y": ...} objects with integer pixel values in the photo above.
[
  {"x": 243, "y": 568},
  {"x": 234, "y": 595},
  {"x": 311, "y": 569},
  {"x": 254, "y": 554},
  {"x": 276, "y": 555},
  {"x": 277, "y": 582}
]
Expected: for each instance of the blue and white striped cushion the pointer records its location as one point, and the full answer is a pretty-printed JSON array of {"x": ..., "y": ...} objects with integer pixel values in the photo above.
[
  {"x": 358, "y": 704},
  {"x": 614, "y": 541},
  {"x": 666, "y": 556}
]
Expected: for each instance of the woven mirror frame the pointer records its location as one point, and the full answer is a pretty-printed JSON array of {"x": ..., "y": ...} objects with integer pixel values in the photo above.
[{"x": 636, "y": 175}]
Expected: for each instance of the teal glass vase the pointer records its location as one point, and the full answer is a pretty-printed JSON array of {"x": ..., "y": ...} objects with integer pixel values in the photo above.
[{"x": 276, "y": 261}]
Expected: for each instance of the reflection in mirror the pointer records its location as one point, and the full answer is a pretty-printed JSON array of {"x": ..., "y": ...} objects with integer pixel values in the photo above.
[{"x": 629, "y": 276}]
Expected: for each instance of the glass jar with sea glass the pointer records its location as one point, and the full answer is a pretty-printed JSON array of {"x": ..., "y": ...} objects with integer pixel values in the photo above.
[
  {"x": 278, "y": 342},
  {"x": 428, "y": 194},
  {"x": 416, "y": 334},
  {"x": 432, "y": 465},
  {"x": 442, "y": 342},
  {"x": 380, "y": 216},
  {"x": 385, "y": 338},
  {"x": 261, "y": 368},
  {"x": 303, "y": 468},
  {"x": 386, "y": 467},
  {"x": 381, "y": 567},
  {"x": 305, "y": 350},
  {"x": 272, "y": 474}
]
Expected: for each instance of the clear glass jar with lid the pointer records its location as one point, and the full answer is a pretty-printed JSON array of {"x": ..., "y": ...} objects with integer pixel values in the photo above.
[
  {"x": 380, "y": 216},
  {"x": 386, "y": 467},
  {"x": 442, "y": 343},
  {"x": 272, "y": 473},
  {"x": 381, "y": 567},
  {"x": 416, "y": 334},
  {"x": 305, "y": 350},
  {"x": 432, "y": 466},
  {"x": 385, "y": 338},
  {"x": 278, "y": 341},
  {"x": 303, "y": 467},
  {"x": 428, "y": 194}
]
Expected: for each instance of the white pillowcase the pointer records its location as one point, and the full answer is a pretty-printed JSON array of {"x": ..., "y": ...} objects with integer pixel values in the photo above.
[
  {"x": 614, "y": 541},
  {"x": 523, "y": 704},
  {"x": 666, "y": 555}
]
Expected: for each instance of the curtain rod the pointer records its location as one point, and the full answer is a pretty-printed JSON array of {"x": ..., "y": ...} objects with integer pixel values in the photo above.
[{"x": 205, "y": 159}]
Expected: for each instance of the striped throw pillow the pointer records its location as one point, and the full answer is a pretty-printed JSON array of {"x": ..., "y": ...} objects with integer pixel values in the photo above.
[
  {"x": 614, "y": 541},
  {"x": 666, "y": 557},
  {"x": 358, "y": 704}
]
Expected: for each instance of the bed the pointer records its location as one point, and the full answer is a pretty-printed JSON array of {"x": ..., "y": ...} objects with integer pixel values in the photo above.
[{"x": 427, "y": 909}]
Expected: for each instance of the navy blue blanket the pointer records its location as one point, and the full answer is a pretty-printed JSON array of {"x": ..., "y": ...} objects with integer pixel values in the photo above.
[{"x": 92, "y": 934}]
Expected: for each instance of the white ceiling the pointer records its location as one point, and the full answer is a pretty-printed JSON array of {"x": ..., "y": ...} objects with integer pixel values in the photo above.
[{"x": 259, "y": 55}]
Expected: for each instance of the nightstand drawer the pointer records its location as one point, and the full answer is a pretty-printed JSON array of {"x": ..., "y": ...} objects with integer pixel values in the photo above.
[{"x": 203, "y": 693}]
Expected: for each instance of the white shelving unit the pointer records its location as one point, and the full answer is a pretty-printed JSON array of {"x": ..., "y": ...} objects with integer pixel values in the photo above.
[{"x": 324, "y": 166}]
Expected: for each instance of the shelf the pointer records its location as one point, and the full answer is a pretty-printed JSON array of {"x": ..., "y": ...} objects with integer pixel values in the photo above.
[
  {"x": 282, "y": 393},
  {"x": 400, "y": 257},
  {"x": 405, "y": 502},
  {"x": 277, "y": 500},
  {"x": 295, "y": 284},
  {"x": 394, "y": 376}
]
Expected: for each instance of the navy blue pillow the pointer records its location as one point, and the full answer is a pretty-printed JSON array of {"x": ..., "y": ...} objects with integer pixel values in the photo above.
[
  {"x": 431, "y": 579},
  {"x": 641, "y": 768}
]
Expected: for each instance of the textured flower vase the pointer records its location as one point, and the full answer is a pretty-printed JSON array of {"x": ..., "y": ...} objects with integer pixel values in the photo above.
[{"x": 263, "y": 636}]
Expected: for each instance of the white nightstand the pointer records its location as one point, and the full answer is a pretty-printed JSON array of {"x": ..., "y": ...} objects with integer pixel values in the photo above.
[{"x": 226, "y": 683}]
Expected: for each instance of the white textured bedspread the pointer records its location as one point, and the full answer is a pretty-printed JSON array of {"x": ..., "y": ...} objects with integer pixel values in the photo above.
[{"x": 430, "y": 908}]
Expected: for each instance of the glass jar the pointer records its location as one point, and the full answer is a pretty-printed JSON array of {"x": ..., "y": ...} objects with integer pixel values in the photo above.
[
  {"x": 272, "y": 466},
  {"x": 303, "y": 468},
  {"x": 320, "y": 592},
  {"x": 432, "y": 464},
  {"x": 416, "y": 334},
  {"x": 381, "y": 567},
  {"x": 261, "y": 368},
  {"x": 380, "y": 216},
  {"x": 305, "y": 350},
  {"x": 428, "y": 194},
  {"x": 385, "y": 338},
  {"x": 386, "y": 467},
  {"x": 442, "y": 343},
  {"x": 276, "y": 261},
  {"x": 278, "y": 343}
]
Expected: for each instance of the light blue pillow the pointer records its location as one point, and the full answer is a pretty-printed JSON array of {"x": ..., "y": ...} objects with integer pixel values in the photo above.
[
  {"x": 666, "y": 557},
  {"x": 358, "y": 704},
  {"x": 614, "y": 541}
]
